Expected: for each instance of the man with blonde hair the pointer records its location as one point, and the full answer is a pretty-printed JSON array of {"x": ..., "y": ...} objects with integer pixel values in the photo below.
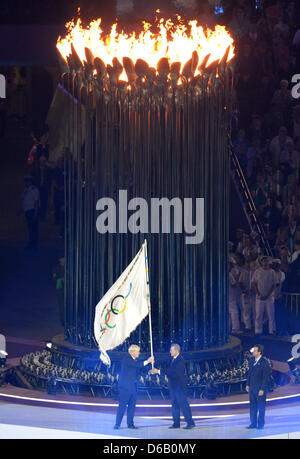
[{"x": 130, "y": 369}]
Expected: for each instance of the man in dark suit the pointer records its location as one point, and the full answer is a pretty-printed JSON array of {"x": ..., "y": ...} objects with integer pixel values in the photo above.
[
  {"x": 178, "y": 388},
  {"x": 257, "y": 385},
  {"x": 130, "y": 369}
]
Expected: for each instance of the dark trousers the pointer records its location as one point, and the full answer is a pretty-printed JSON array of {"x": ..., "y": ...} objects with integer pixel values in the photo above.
[
  {"x": 180, "y": 403},
  {"x": 127, "y": 398},
  {"x": 33, "y": 227},
  {"x": 257, "y": 406}
]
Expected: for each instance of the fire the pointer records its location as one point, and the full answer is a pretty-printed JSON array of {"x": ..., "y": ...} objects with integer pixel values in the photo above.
[{"x": 174, "y": 42}]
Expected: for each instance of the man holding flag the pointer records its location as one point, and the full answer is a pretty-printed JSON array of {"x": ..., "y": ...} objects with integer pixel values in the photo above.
[
  {"x": 177, "y": 382},
  {"x": 117, "y": 315},
  {"x": 130, "y": 370}
]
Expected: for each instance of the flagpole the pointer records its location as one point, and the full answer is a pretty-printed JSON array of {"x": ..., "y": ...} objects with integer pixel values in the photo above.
[{"x": 148, "y": 296}]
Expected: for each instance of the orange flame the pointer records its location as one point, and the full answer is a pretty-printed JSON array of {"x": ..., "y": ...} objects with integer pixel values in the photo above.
[{"x": 175, "y": 42}]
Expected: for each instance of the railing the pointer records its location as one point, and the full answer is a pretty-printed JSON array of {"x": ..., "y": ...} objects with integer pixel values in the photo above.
[
  {"x": 247, "y": 202},
  {"x": 291, "y": 302}
]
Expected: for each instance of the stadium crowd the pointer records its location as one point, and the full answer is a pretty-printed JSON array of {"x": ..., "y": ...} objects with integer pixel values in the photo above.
[{"x": 266, "y": 141}]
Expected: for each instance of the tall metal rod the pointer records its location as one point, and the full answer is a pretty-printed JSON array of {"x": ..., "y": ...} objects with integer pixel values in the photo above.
[{"x": 149, "y": 302}]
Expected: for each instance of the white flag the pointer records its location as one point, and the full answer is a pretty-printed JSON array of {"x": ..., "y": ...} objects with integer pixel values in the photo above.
[{"x": 123, "y": 307}]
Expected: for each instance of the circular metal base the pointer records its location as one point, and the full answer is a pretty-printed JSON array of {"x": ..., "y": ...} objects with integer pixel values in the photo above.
[{"x": 61, "y": 347}]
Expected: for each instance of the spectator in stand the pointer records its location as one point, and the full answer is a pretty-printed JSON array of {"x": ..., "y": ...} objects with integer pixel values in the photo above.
[
  {"x": 296, "y": 44},
  {"x": 260, "y": 191},
  {"x": 282, "y": 238},
  {"x": 292, "y": 226},
  {"x": 292, "y": 284},
  {"x": 271, "y": 216},
  {"x": 264, "y": 282},
  {"x": 240, "y": 146},
  {"x": 296, "y": 252},
  {"x": 282, "y": 100},
  {"x": 274, "y": 12},
  {"x": 254, "y": 261},
  {"x": 248, "y": 79},
  {"x": 282, "y": 28},
  {"x": 296, "y": 122},
  {"x": 293, "y": 158},
  {"x": 290, "y": 15},
  {"x": 282, "y": 58},
  {"x": 279, "y": 143},
  {"x": 265, "y": 93},
  {"x": 255, "y": 40},
  {"x": 285, "y": 257},
  {"x": 240, "y": 24},
  {"x": 276, "y": 185},
  {"x": 296, "y": 205},
  {"x": 272, "y": 122},
  {"x": 290, "y": 190},
  {"x": 255, "y": 131},
  {"x": 254, "y": 157},
  {"x": 249, "y": 247}
]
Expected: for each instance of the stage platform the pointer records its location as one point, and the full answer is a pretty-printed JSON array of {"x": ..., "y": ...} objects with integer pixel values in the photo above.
[
  {"x": 28, "y": 413},
  {"x": 222, "y": 406},
  {"x": 44, "y": 422}
]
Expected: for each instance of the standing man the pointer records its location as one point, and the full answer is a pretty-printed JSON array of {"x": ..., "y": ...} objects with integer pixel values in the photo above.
[
  {"x": 130, "y": 369},
  {"x": 264, "y": 283},
  {"x": 178, "y": 388},
  {"x": 257, "y": 384}
]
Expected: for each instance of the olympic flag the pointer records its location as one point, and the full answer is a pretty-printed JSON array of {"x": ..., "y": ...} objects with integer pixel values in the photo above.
[{"x": 124, "y": 306}]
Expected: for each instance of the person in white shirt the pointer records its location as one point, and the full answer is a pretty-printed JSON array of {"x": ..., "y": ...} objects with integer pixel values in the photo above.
[
  {"x": 279, "y": 278},
  {"x": 264, "y": 283},
  {"x": 279, "y": 143},
  {"x": 296, "y": 252},
  {"x": 30, "y": 206}
]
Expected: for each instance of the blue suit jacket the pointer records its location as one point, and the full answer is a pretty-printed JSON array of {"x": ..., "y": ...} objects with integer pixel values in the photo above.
[
  {"x": 258, "y": 375},
  {"x": 130, "y": 370},
  {"x": 176, "y": 375}
]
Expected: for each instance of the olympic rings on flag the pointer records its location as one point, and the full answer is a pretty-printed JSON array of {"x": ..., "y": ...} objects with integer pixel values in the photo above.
[
  {"x": 111, "y": 305},
  {"x": 114, "y": 310}
]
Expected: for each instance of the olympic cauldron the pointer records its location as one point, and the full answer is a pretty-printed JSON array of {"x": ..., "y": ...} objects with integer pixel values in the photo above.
[{"x": 149, "y": 115}]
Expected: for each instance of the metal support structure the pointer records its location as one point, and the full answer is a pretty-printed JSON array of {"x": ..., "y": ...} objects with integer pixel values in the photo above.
[
  {"x": 153, "y": 138},
  {"x": 248, "y": 204}
]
